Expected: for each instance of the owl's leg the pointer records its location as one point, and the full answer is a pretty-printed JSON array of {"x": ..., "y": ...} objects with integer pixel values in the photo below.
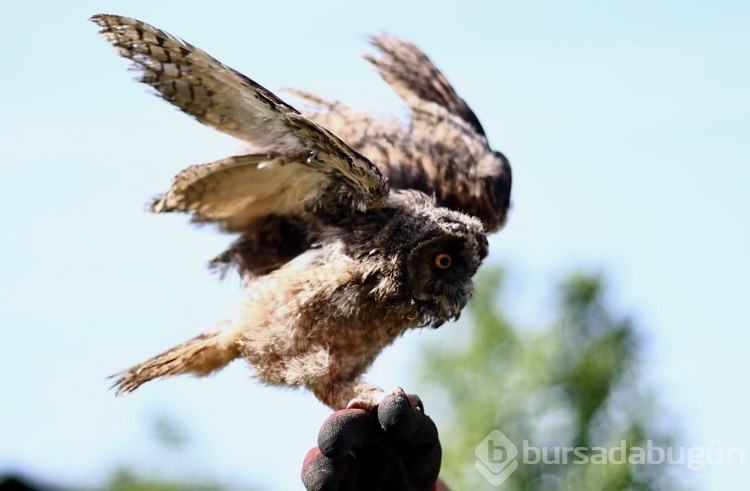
[
  {"x": 337, "y": 394},
  {"x": 355, "y": 394},
  {"x": 200, "y": 356},
  {"x": 373, "y": 399}
]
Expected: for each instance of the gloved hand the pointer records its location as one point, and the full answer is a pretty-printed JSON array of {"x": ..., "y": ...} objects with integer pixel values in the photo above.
[{"x": 395, "y": 447}]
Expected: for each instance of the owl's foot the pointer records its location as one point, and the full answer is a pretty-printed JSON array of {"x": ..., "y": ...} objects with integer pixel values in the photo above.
[{"x": 371, "y": 400}]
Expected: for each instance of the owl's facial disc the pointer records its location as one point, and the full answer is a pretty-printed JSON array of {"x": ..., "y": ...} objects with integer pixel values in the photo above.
[{"x": 440, "y": 271}]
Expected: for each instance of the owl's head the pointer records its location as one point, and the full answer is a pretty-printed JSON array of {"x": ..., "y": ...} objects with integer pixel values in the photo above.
[{"x": 442, "y": 261}]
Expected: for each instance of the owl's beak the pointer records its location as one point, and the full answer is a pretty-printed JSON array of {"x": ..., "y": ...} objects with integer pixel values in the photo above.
[
  {"x": 459, "y": 301},
  {"x": 449, "y": 307},
  {"x": 462, "y": 299}
]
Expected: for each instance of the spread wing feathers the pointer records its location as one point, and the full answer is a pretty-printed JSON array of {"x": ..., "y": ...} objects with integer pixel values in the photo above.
[
  {"x": 238, "y": 191},
  {"x": 357, "y": 128},
  {"x": 416, "y": 79},
  {"x": 223, "y": 98},
  {"x": 442, "y": 151}
]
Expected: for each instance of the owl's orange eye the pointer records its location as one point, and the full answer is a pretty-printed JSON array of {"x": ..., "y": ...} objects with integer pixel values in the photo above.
[{"x": 443, "y": 260}]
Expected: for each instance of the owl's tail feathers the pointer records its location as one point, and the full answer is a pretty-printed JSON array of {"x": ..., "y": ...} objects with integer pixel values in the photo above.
[{"x": 200, "y": 356}]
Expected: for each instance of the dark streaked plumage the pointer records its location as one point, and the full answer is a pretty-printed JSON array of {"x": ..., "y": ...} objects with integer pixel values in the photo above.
[{"x": 352, "y": 230}]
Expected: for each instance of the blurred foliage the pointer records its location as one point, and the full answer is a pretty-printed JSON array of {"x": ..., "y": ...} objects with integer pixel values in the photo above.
[
  {"x": 175, "y": 469},
  {"x": 173, "y": 440},
  {"x": 168, "y": 433},
  {"x": 124, "y": 479},
  {"x": 574, "y": 383}
]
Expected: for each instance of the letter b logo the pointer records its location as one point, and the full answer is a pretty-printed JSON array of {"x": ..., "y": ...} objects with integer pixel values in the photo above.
[{"x": 496, "y": 458}]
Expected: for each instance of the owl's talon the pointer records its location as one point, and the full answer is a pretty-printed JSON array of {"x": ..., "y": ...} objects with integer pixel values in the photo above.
[
  {"x": 366, "y": 403},
  {"x": 371, "y": 401},
  {"x": 413, "y": 399}
]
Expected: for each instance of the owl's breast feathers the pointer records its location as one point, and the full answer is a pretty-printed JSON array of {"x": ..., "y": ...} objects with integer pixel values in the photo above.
[
  {"x": 348, "y": 296},
  {"x": 321, "y": 315}
]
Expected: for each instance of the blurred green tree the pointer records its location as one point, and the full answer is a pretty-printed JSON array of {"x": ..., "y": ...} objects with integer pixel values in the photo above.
[
  {"x": 124, "y": 479},
  {"x": 173, "y": 440},
  {"x": 573, "y": 384}
]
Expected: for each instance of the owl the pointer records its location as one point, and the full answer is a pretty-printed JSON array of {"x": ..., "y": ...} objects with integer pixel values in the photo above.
[{"x": 350, "y": 230}]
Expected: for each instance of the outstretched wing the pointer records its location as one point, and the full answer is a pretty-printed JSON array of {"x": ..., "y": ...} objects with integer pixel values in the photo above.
[
  {"x": 299, "y": 166},
  {"x": 443, "y": 150},
  {"x": 416, "y": 79}
]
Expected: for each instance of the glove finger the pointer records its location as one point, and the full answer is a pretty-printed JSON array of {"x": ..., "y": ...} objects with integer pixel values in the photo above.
[
  {"x": 422, "y": 463},
  {"x": 380, "y": 467},
  {"x": 321, "y": 473},
  {"x": 416, "y": 437},
  {"x": 348, "y": 429},
  {"x": 398, "y": 417},
  {"x": 426, "y": 431}
]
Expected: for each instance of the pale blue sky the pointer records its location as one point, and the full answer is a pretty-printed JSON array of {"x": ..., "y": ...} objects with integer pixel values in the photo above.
[{"x": 627, "y": 123}]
